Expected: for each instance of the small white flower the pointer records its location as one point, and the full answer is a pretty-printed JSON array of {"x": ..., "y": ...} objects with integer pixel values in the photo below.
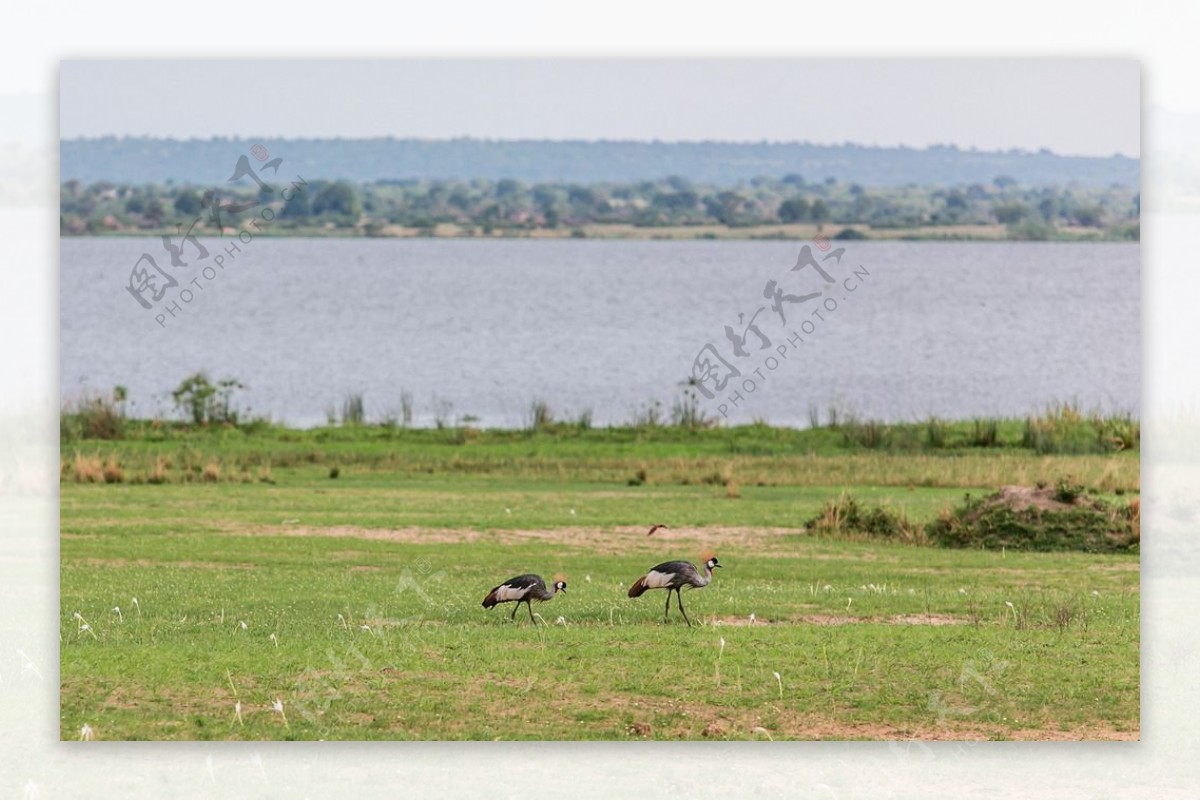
[
  {"x": 86, "y": 732},
  {"x": 507, "y": 511},
  {"x": 562, "y": 621},
  {"x": 751, "y": 617},
  {"x": 962, "y": 591},
  {"x": 275, "y": 640},
  {"x": 588, "y": 578},
  {"x": 572, "y": 513},
  {"x": 1009, "y": 604},
  {"x": 277, "y": 706}
]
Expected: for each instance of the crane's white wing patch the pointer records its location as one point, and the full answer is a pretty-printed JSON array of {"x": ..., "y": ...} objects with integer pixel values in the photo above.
[
  {"x": 656, "y": 580},
  {"x": 507, "y": 593}
]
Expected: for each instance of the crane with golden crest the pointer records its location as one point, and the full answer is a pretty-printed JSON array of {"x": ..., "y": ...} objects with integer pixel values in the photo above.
[
  {"x": 524, "y": 589},
  {"x": 674, "y": 576}
]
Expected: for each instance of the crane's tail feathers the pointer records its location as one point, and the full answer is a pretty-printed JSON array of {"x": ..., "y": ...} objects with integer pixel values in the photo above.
[{"x": 638, "y": 587}]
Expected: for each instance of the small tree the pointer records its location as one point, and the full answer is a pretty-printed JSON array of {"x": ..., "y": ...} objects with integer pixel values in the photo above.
[
  {"x": 188, "y": 203},
  {"x": 794, "y": 210},
  {"x": 199, "y": 400},
  {"x": 337, "y": 198}
]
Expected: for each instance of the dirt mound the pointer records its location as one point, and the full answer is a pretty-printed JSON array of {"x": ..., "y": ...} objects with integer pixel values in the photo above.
[
  {"x": 1059, "y": 518},
  {"x": 1021, "y": 498}
]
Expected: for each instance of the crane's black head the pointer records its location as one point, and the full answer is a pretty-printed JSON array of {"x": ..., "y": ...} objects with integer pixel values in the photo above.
[
  {"x": 711, "y": 563},
  {"x": 560, "y": 585}
]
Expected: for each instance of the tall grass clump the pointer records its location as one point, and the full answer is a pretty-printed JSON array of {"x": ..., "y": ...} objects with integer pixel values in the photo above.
[
  {"x": 935, "y": 433},
  {"x": 984, "y": 433},
  {"x": 87, "y": 469},
  {"x": 870, "y": 434},
  {"x": 93, "y": 417},
  {"x": 845, "y": 516},
  {"x": 540, "y": 417},
  {"x": 113, "y": 474},
  {"x": 1119, "y": 432},
  {"x": 353, "y": 413},
  {"x": 814, "y": 416},
  {"x": 687, "y": 411},
  {"x": 1065, "y": 429}
]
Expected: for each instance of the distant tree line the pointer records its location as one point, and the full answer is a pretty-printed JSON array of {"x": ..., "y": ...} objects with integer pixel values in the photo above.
[
  {"x": 140, "y": 160},
  {"x": 512, "y": 206}
]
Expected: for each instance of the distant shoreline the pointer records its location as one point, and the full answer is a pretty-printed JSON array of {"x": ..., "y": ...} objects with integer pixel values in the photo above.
[{"x": 616, "y": 232}]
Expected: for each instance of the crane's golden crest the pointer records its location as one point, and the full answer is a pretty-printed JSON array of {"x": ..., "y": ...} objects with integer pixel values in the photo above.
[
  {"x": 704, "y": 557},
  {"x": 560, "y": 577}
]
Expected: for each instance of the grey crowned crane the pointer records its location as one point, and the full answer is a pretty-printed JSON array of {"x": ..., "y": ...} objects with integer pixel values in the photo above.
[
  {"x": 523, "y": 589},
  {"x": 674, "y": 576}
]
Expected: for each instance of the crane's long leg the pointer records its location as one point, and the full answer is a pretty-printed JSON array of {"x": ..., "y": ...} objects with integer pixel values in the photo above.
[
  {"x": 679, "y": 598},
  {"x": 667, "y": 608},
  {"x": 513, "y": 616},
  {"x": 529, "y": 606}
]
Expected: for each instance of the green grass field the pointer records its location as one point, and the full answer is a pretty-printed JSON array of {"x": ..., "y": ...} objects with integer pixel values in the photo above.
[{"x": 355, "y": 601}]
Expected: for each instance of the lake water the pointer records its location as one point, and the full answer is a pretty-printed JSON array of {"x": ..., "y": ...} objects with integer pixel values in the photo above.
[{"x": 484, "y": 328}]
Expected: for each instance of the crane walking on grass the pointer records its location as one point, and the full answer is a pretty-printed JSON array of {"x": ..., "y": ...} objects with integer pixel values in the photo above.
[
  {"x": 674, "y": 576},
  {"x": 524, "y": 589}
]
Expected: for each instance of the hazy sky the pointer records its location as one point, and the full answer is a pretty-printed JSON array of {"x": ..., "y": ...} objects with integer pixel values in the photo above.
[{"x": 1085, "y": 107}]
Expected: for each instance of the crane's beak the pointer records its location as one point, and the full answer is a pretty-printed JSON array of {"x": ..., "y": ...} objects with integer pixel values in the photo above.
[{"x": 716, "y": 566}]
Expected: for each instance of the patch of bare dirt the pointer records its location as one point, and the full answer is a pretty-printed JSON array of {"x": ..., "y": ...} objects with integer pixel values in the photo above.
[
  {"x": 186, "y": 563},
  {"x": 1085, "y": 734},
  {"x": 840, "y": 620},
  {"x": 894, "y": 620},
  {"x": 624, "y": 539},
  {"x": 925, "y": 620}
]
